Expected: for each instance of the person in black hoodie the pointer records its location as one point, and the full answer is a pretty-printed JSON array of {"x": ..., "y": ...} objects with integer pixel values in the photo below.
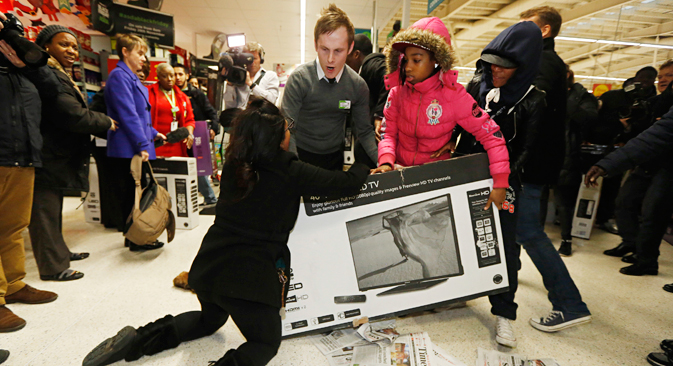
[
  {"x": 242, "y": 267},
  {"x": 66, "y": 127},
  {"x": 581, "y": 114},
  {"x": 517, "y": 106},
  {"x": 372, "y": 68}
]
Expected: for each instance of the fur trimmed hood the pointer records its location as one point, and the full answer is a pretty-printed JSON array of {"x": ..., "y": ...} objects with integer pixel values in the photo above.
[{"x": 428, "y": 33}]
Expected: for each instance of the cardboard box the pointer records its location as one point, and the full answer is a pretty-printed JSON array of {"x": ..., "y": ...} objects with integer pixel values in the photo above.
[
  {"x": 92, "y": 209},
  {"x": 586, "y": 208},
  {"x": 178, "y": 176}
]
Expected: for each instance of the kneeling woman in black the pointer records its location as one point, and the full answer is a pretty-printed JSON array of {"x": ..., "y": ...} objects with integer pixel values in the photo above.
[{"x": 244, "y": 255}]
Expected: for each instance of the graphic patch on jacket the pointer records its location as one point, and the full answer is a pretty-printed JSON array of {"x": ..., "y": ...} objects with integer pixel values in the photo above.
[
  {"x": 489, "y": 126},
  {"x": 476, "y": 111},
  {"x": 388, "y": 102},
  {"x": 434, "y": 112},
  {"x": 510, "y": 197}
]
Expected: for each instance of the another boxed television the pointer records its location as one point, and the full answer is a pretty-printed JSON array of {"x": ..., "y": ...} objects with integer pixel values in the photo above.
[{"x": 179, "y": 176}]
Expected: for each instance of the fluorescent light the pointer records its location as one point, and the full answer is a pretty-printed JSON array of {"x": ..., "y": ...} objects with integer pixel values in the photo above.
[
  {"x": 465, "y": 68},
  {"x": 302, "y": 30},
  {"x": 620, "y": 43},
  {"x": 575, "y": 39},
  {"x": 599, "y": 77}
]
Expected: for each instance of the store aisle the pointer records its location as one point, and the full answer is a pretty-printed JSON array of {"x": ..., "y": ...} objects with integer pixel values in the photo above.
[{"x": 631, "y": 314}]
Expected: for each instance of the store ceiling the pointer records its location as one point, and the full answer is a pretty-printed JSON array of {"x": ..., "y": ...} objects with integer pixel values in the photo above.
[{"x": 473, "y": 23}]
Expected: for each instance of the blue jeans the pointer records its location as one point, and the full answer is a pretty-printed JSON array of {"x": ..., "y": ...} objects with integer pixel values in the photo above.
[
  {"x": 206, "y": 190},
  {"x": 562, "y": 292}
]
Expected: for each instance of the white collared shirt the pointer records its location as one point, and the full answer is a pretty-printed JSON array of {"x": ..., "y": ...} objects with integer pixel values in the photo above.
[
  {"x": 321, "y": 74},
  {"x": 268, "y": 86}
]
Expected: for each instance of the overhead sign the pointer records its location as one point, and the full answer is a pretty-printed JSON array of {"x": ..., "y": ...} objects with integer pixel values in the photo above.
[
  {"x": 410, "y": 240},
  {"x": 111, "y": 18},
  {"x": 433, "y": 4}
]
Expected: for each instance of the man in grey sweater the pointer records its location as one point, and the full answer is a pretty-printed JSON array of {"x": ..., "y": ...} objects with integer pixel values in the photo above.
[{"x": 319, "y": 96}]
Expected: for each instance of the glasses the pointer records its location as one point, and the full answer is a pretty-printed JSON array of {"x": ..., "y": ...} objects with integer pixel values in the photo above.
[{"x": 290, "y": 123}]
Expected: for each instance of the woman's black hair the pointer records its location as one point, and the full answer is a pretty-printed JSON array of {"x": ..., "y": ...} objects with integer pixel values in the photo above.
[{"x": 256, "y": 135}]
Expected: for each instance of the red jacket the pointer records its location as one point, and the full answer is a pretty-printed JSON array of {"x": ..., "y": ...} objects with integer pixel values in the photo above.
[{"x": 185, "y": 118}]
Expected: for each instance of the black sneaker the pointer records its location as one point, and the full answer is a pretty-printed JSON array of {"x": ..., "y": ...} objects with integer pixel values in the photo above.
[
  {"x": 566, "y": 248},
  {"x": 659, "y": 359},
  {"x": 112, "y": 349},
  {"x": 556, "y": 321},
  {"x": 667, "y": 346}
]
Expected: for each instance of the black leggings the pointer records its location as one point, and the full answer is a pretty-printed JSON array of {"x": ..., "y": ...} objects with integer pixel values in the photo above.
[{"x": 260, "y": 324}]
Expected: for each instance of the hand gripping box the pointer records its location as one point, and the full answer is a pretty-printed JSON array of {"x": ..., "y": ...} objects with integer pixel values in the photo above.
[
  {"x": 586, "y": 208},
  {"x": 179, "y": 177}
]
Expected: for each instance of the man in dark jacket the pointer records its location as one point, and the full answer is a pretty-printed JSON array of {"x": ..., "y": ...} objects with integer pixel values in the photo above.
[
  {"x": 546, "y": 159},
  {"x": 372, "y": 68},
  {"x": 643, "y": 203},
  {"x": 203, "y": 111},
  {"x": 20, "y": 145},
  {"x": 581, "y": 114},
  {"x": 655, "y": 142}
]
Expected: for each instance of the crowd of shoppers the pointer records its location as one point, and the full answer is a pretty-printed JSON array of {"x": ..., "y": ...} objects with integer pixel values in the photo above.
[{"x": 522, "y": 107}]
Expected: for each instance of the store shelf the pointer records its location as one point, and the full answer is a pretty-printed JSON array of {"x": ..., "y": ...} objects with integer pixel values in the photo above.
[
  {"x": 91, "y": 67},
  {"x": 91, "y": 87}
]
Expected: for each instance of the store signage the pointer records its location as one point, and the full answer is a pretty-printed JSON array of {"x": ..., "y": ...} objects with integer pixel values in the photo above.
[
  {"x": 111, "y": 18},
  {"x": 433, "y": 4},
  {"x": 409, "y": 240}
]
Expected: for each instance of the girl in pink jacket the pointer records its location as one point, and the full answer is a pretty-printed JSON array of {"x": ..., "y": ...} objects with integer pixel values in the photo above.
[{"x": 426, "y": 102}]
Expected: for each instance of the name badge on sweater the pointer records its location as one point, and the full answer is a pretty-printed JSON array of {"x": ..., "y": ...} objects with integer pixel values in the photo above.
[
  {"x": 344, "y": 104},
  {"x": 174, "y": 126}
]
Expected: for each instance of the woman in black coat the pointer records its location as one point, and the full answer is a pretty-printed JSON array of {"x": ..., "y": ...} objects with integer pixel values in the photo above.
[
  {"x": 242, "y": 267},
  {"x": 66, "y": 127}
]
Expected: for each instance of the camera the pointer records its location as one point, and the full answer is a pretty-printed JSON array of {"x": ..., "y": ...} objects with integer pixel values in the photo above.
[
  {"x": 636, "y": 106},
  {"x": 236, "y": 73},
  {"x": 30, "y": 53}
]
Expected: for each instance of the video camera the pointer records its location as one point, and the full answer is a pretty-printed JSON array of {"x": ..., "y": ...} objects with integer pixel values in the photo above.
[
  {"x": 636, "y": 106},
  {"x": 237, "y": 73},
  {"x": 30, "y": 53}
]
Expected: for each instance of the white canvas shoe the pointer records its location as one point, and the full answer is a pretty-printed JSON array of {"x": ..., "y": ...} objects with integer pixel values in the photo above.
[{"x": 504, "y": 334}]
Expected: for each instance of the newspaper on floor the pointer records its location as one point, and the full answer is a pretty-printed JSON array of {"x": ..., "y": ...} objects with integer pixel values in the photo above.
[
  {"x": 495, "y": 358},
  {"x": 337, "y": 340},
  {"x": 443, "y": 358},
  {"x": 414, "y": 349}
]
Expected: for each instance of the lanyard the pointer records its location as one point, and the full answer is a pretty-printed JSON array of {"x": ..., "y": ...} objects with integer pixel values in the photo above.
[{"x": 171, "y": 101}]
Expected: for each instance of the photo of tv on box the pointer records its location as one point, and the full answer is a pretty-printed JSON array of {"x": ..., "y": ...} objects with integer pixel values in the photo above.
[{"x": 414, "y": 246}]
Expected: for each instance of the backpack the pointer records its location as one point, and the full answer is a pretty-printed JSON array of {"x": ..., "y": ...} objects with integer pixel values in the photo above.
[{"x": 151, "y": 212}]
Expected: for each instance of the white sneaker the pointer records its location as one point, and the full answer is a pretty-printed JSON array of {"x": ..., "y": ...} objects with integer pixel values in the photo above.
[{"x": 504, "y": 334}]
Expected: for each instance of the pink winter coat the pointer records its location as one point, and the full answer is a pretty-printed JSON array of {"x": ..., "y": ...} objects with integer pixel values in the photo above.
[{"x": 420, "y": 118}]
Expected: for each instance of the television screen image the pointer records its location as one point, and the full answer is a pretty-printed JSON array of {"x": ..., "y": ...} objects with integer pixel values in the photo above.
[{"x": 409, "y": 244}]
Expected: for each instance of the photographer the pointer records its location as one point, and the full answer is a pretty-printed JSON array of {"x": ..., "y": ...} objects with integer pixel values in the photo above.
[
  {"x": 643, "y": 204},
  {"x": 20, "y": 146},
  {"x": 262, "y": 83},
  {"x": 622, "y": 115},
  {"x": 245, "y": 76}
]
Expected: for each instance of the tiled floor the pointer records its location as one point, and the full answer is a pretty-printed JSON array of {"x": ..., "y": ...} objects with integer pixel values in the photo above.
[{"x": 631, "y": 314}]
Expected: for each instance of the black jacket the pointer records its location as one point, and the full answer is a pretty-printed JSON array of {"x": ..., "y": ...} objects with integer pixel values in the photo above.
[
  {"x": 655, "y": 142},
  {"x": 547, "y": 153},
  {"x": 582, "y": 111},
  {"x": 519, "y": 127},
  {"x": 201, "y": 107},
  {"x": 66, "y": 127},
  {"x": 20, "y": 105},
  {"x": 238, "y": 256},
  {"x": 372, "y": 71}
]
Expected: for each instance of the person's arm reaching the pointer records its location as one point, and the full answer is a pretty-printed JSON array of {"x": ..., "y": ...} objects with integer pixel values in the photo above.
[
  {"x": 314, "y": 181},
  {"x": 388, "y": 145},
  {"x": 361, "y": 123},
  {"x": 291, "y": 104}
]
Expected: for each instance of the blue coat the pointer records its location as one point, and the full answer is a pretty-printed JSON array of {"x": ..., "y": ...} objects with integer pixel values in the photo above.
[{"x": 128, "y": 103}]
